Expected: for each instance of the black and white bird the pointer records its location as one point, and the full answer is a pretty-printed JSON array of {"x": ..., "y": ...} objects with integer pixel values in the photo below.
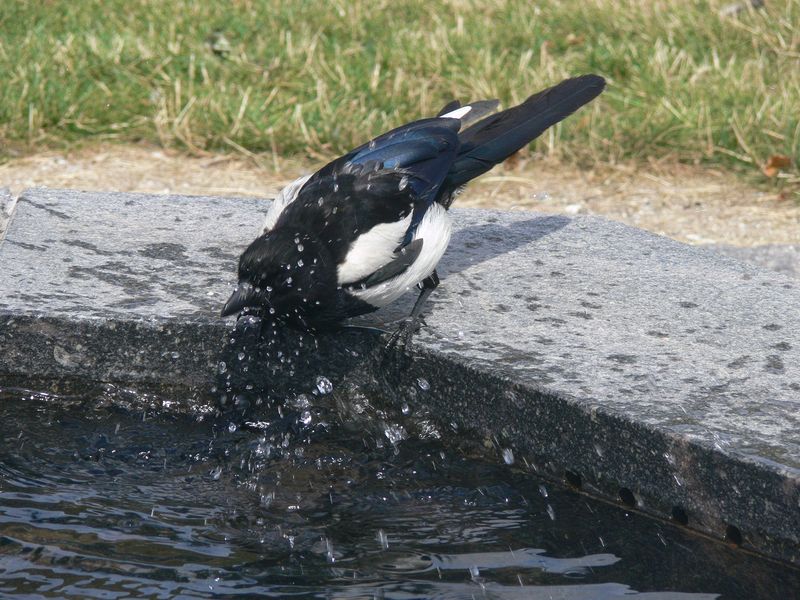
[{"x": 373, "y": 224}]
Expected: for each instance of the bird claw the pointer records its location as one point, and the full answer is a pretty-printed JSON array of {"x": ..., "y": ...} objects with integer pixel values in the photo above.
[{"x": 403, "y": 334}]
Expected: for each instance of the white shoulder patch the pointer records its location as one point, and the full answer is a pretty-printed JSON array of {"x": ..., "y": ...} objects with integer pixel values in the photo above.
[
  {"x": 434, "y": 231},
  {"x": 284, "y": 198},
  {"x": 371, "y": 250},
  {"x": 457, "y": 113}
]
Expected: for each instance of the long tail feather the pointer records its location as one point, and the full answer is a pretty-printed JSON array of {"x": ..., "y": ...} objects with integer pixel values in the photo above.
[{"x": 495, "y": 138}]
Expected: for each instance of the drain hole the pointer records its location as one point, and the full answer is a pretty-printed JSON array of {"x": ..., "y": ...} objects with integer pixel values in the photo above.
[
  {"x": 573, "y": 479},
  {"x": 627, "y": 497},
  {"x": 679, "y": 515},
  {"x": 733, "y": 535}
]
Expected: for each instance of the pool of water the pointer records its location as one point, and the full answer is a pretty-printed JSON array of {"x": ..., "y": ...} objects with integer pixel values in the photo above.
[{"x": 124, "y": 495}]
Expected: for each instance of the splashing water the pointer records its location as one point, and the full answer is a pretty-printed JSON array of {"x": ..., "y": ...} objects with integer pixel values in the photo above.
[{"x": 324, "y": 386}]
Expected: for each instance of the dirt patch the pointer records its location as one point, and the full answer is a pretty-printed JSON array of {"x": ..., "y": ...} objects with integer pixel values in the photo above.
[{"x": 686, "y": 203}]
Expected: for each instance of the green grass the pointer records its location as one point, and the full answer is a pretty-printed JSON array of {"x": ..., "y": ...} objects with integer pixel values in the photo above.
[{"x": 314, "y": 78}]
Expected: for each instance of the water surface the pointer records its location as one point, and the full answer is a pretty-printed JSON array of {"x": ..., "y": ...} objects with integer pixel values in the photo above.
[{"x": 124, "y": 495}]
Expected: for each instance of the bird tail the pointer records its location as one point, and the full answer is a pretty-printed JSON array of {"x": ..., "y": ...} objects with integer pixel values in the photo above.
[{"x": 493, "y": 139}]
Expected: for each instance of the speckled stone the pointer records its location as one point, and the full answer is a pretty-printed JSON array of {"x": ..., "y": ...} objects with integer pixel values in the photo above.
[
  {"x": 626, "y": 363},
  {"x": 7, "y": 202},
  {"x": 783, "y": 258}
]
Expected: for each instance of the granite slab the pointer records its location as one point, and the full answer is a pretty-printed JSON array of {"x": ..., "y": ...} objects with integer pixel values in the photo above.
[{"x": 783, "y": 258}]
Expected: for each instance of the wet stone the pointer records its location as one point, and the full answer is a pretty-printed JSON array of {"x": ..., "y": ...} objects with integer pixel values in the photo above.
[{"x": 609, "y": 337}]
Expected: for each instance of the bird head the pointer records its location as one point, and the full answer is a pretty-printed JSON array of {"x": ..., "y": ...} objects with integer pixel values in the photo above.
[{"x": 285, "y": 273}]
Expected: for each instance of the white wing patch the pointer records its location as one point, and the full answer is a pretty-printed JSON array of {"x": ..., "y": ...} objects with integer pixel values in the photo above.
[
  {"x": 434, "y": 231},
  {"x": 284, "y": 198},
  {"x": 457, "y": 113},
  {"x": 372, "y": 250}
]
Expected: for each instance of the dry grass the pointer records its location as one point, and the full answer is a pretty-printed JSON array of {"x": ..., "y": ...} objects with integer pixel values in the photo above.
[{"x": 312, "y": 79}]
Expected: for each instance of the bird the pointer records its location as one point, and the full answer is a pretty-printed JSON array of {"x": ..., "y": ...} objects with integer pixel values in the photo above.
[{"x": 372, "y": 225}]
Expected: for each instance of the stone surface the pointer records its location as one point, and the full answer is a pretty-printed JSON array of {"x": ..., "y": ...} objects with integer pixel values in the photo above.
[
  {"x": 782, "y": 258},
  {"x": 7, "y": 202},
  {"x": 593, "y": 349}
]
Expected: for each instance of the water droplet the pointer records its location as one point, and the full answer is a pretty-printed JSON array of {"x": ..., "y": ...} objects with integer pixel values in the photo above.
[
  {"x": 301, "y": 401},
  {"x": 300, "y": 262},
  {"x": 383, "y": 539},
  {"x": 543, "y": 491},
  {"x": 222, "y": 367},
  {"x": 474, "y": 572},
  {"x": 329, "y": 551},
  {"x": 551, "y": 513},
  {"x": 305, "y": 418},
  {"x": 240, "y": 356},
  {"x": 216, "y": 473},
  {"x": 324, "y": 385},
  {"x": 405, "y": 409},
  {"x": 598, "y": 450},
  {"x": 508, "y": 456},
  {"x": 395, "y": 434},
  {"x": 423, "y": 384}
]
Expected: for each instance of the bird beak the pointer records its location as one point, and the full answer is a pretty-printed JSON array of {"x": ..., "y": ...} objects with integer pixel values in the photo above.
[{"x": 244, "y": 295}]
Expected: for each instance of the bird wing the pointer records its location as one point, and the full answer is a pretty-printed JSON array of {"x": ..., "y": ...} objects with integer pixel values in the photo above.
[
  {"x": 366, "y": 205},
  {"x": 424, "y": 148}
]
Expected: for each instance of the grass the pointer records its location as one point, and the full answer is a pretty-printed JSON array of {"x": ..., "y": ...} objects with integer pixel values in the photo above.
[{"x": 306, "y": 78}]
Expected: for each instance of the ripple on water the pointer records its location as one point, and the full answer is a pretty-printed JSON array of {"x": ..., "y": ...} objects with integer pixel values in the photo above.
[{"x": 312, "y": 501}]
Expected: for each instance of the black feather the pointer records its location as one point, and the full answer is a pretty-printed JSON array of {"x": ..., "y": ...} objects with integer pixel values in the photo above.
[
  {"x": 449, "y": 107},
  {"x": 497, "y": 137},
  {"x": 418, "y": 142},
  {"x": 480, "y": 109}
]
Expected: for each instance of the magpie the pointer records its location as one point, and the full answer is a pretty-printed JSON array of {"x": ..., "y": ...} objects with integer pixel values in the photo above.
[{"x": 372, "y": 224}]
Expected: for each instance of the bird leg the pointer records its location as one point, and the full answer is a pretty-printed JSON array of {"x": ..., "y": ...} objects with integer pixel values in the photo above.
[{"x": 410, "y": 324}]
